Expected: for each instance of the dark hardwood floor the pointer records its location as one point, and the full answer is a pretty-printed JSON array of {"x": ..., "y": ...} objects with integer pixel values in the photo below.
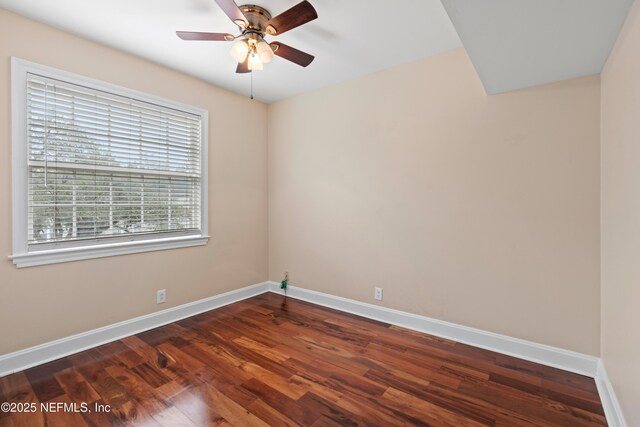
[{"x": 275, "y": 361}]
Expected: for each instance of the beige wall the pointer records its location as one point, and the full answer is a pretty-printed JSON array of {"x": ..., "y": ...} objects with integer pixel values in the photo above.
[
  {"x": 620, "y": 141},
  {"x": 477, "y": 210},
  {"x": 39, "y": 304}
]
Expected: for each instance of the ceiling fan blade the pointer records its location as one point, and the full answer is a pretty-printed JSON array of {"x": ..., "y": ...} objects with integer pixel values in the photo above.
[
  {"x": 292, "y": 54},
  {"x": 243, "y": 67},
  {"x": 193, "y": 35},
  {"x": 299, "y": 14},
  {"x": 231, "y": 9}
]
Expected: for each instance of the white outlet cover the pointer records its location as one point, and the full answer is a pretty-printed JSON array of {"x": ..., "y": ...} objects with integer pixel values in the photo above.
[
  {"x": 378, "y": 294},
  {"x": 161, "y": 296}
]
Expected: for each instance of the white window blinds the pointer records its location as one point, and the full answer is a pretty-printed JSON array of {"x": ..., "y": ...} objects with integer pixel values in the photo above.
[{"x": 104, "y": 168}]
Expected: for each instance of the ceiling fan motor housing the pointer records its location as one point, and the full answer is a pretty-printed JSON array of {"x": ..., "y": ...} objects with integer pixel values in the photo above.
[{"x": 257, "y": 16}]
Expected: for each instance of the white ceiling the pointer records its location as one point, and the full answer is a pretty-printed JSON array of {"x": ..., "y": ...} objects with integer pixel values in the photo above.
[
  {"x": 349, "y": 38},
  {"x": 512, "y": 43},
  {"x": 520, "y": 43}
]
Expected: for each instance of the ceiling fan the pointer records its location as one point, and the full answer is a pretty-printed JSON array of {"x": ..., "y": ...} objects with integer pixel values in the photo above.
[{"x": 255, "y": 23}]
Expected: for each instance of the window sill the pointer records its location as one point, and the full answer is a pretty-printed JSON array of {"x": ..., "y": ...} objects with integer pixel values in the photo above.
[{"x": 54, "y": 256}]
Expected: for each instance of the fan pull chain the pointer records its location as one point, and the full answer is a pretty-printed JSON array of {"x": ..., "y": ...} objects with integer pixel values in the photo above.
[{"x": 251, "y": 84}]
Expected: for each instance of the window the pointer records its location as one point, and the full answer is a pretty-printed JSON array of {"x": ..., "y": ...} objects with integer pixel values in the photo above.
[{"x": 100, "y": 170}]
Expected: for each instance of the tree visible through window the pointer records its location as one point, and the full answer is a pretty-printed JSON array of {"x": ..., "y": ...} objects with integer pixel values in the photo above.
[{"x": 101, "y": 166}]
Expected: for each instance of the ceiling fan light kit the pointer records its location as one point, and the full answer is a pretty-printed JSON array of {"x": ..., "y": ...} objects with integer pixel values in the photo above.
[
  {"x": 264, "y": 51},
  {"x": 254, "y": 62},
  {"x": 255, "y": 23},
  {"x": 240, "y": 50}
]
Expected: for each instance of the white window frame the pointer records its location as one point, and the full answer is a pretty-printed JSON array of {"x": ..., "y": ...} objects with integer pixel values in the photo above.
[{"x": 24, "y": 257}]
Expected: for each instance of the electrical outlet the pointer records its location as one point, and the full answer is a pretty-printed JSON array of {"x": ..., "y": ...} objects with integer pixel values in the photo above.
[
  {"x": 161, "y": 296},
  {"x": 378, "y": 294}
]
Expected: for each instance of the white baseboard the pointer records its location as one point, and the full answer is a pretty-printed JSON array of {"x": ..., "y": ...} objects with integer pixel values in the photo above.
[
  {"x": 540, "y": 353},
  {"x": 547, "y": 355},
  {"x": 33, "y": 356},
  {"x": 567, "y": 360},
  {"x": 610, "y": 403}
]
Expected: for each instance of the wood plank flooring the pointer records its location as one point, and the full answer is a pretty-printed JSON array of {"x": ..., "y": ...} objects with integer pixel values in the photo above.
[{"x": 275, "y": 361}]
